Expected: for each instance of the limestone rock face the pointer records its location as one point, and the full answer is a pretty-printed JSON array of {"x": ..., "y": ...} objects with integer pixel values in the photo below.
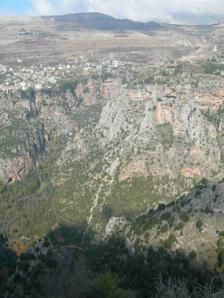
[
  {"x": 111, "y": 150},
  {"x": 23, "y": 138},
  {"x": 172, "y": 124},
  {"x": 148, "y": 129}
]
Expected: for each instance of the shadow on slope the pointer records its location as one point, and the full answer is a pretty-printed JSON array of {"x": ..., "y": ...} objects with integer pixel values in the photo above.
[
  {"x": 69, "y": 262},
  {"x": 7, "y": 263},
  {"x": 66, "y": 264}
]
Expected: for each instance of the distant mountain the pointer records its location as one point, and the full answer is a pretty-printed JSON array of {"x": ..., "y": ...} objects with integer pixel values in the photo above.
[
  {"x": 99, "y": 21},
  {"x": 197, "y": 19}
]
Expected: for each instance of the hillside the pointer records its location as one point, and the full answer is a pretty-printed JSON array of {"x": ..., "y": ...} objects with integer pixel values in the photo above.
[
  {"x": 111, "y": 158},
  {"x": 98, "y": 21}
]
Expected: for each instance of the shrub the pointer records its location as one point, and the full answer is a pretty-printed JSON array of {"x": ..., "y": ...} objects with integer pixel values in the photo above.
[
  {"x": 179, "y": 226},
  {"x": 214, "y": 188},
  {"x": 213, "y": 68},
  {"x": 199, "y": 225},
  {"x": 106, "y": 284},
  {"x": 166, "y": 216},
  {"x": 68, "y": 86},
  {"x": 204, "y": 182},
  {"x": 209, "y": 210},
  {"x": 168, "y": 243},
  {"x": 185, "y": 217},
  {"x": 193, "y": 255},
  {"x": 164, "y": 228}
]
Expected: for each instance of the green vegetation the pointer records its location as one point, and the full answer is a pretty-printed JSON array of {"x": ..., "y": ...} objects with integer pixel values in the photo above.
[
  {"x": 66, "y": 86},
  {"x": 179, "y": 68},
  {"x": 166, "y": 216},
  {"x": 107, "y": 286},
  {"x": 15, "y": 138},
  {"x": 25, "y": 202},
  {"x": 28, "y": 94},
  {"x": 120, "y": 275},
  {"x": 69, "y": 185},
  {"x": 134, "y": 196},
  {"x": 164, "y": 228},
  {"x": 199, "y": 225},
  {"x": 193, "y": 255},
  {"x": 88, "y": 116},
  {"x": 213, "y": 68},
  {"x": 169, "y": 242},
  {"x": 145, "y": 222},
  {"x": 179, "y": 226},
  {"x": 12, "y": 138},
  {"x": 107, "y": 270},
  {"x": 165, "y": 134},
  {"x": 184, "y": 216},
  {"x": 28, "y": 186},
  {"x": 220, "y": 251},
  {"x": 202, "y": 184},
  {"x": 7, "y": 263}
]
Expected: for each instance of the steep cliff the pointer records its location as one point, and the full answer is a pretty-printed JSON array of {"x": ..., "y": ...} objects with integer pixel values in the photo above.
[{"x": 103, "y": 149}]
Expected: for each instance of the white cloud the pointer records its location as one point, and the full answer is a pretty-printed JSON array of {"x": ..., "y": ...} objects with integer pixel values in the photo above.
[
  {"x": 47, "y": 7},
  {"x": 142, "y": 10},
  {"x": 43, "y": 7}
]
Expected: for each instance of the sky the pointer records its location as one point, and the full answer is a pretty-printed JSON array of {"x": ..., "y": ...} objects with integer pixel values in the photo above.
[{"x": 188, "y": 11}]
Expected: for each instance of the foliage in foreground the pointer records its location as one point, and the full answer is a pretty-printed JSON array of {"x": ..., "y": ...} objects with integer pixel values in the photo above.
[{"x": 63, "y": 267}]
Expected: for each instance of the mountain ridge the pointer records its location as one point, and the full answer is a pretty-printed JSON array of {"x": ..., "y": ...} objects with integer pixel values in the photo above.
[{"x": 100, "y": 21}]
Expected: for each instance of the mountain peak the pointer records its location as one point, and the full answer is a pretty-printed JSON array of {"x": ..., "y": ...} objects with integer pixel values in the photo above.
[{"x": 100, "y": 21}]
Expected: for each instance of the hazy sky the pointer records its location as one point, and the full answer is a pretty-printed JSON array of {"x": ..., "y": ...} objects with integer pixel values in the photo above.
[{"x": 141, "y": 10}]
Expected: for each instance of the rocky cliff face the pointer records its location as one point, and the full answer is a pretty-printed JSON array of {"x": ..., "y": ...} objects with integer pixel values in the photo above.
[
  {"x": 110, "y": 151},
  {"x": 23, "y": 137},
  {"x": 120, "y": 134}
]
